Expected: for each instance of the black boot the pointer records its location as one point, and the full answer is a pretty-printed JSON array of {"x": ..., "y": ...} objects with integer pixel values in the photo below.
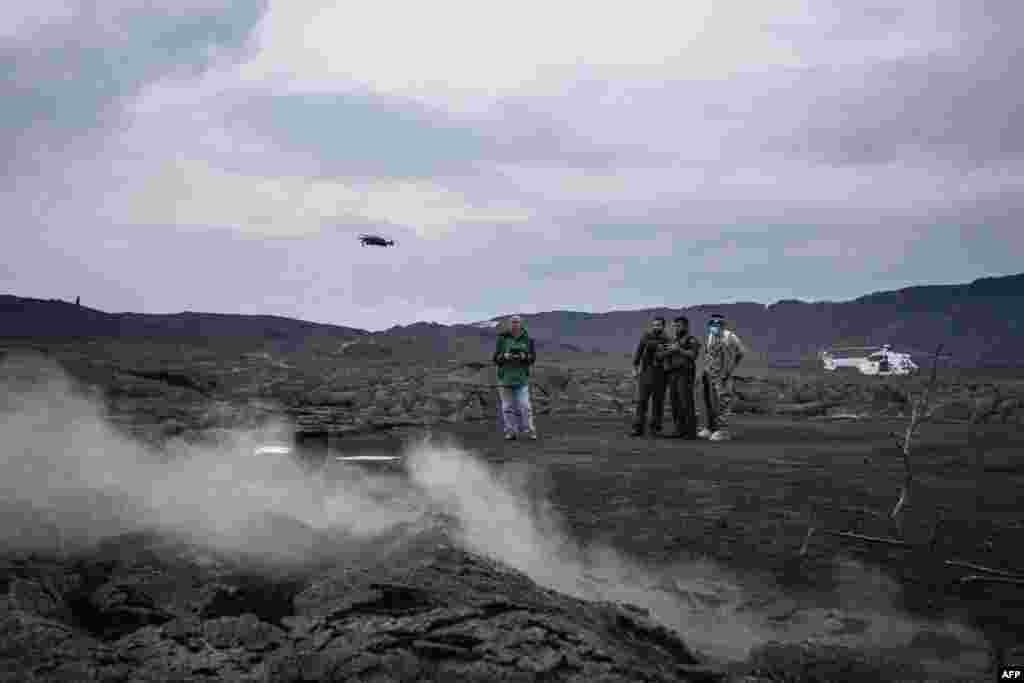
[{"x": 684, "y": 433}]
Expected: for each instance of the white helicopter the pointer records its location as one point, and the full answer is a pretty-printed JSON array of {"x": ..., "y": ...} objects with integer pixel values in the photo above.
[{"x": 871, "y": 360}]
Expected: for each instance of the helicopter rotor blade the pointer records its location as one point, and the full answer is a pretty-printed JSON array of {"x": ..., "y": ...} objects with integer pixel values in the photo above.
[
  {"x": 926, "y": 354},
  {"x": 915, "y": 349}
]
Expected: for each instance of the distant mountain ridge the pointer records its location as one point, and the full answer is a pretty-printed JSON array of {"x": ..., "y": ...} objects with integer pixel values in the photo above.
[
  {"x": 57, "y": 319},
  {"x": 471, "y": 337},
  {"x": 981, "y": 324}
]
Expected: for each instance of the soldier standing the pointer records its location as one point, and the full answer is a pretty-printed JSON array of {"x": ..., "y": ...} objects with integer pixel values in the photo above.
[
  {"x": 649, "y": 371},
  {"x": 680, "y": 361}
]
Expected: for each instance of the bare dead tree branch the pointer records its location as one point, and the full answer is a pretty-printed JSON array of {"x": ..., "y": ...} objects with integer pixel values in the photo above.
[
  {"x": 959, "y": 564},
  {"x": 896, "y": 542},
  {"x": 976, "y": 573},
  {"x": 1007, "y": 580},
  {"x": 877, "y": 540},
  {"x": 807, "y": 541},
  {"x": 916, "y": 416}
]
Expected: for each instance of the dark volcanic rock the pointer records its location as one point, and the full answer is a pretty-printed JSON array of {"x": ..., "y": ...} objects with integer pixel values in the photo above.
[
  {"x": 811, "y": 408},
  {"x": 444, "y": 614},
  {"x": 120, "y": 607},
  {"x": 34, "y": 648},
  {"x": 954, "y": 411},
  {"x": 817, "y": 663},
  {"x": 245, "y": 631},
  {"x": 423, "y": 610},
  {"x": 35, "y": 597}
]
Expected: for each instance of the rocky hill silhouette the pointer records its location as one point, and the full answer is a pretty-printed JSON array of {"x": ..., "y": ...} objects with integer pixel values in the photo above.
[{"x": 981, "y": 324}]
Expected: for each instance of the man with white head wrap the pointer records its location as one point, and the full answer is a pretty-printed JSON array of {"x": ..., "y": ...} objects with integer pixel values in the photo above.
[{"x": 723, "y": 353}]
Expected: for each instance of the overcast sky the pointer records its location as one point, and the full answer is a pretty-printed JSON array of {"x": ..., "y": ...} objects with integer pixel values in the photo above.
[{"x": 222, "y": 155}]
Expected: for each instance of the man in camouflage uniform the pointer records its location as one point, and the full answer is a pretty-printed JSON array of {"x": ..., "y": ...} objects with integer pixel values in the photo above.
[
  {"x": 680, "y": 359},
  {"x": 723, "y": 353},
  {"x": 649, "y": 372}
]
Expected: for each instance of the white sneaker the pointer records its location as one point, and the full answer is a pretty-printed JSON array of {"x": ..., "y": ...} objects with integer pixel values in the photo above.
[
  {"x": 704, "y": 433},
  {"x": 720, "y": 435},
  {"x": 509, "y": 436},
  {"x": 532, "y": 436}
]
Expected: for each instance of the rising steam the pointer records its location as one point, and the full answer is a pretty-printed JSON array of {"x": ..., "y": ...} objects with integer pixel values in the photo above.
[
  {"x": 80, "y": 479},
  {"x": 68, "y": 478}
]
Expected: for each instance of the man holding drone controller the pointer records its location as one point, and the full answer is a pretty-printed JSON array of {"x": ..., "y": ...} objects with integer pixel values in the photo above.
[{"x": 514, "y": 355}]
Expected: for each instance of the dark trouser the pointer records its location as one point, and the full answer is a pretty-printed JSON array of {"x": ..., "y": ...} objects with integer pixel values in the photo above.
[
  {"x": 718, "y": 398},
  {"x": 681, "y": 398},
  {"x": 650, "y": 387}
]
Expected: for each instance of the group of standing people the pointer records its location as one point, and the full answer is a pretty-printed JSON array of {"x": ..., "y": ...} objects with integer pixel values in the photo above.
[
  {"x": 663, "y": 362},
  {"x": 670, "y": 361}
]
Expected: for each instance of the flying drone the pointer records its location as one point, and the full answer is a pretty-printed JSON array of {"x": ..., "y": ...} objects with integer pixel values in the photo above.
[
  {"x": 869, "y": 360},
  {"x": 376, "y": 241}
]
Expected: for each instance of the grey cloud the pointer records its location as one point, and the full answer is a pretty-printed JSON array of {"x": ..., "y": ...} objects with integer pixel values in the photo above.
[
  {"x": 69, "y": 79},
  {"x": 587, "y": 253},
  {"x": 617, "y": 232},
  {"x": 362, "y": 134},
  {"x": 958, "y": 104},
  {"x": 931, "y": 109},
  {"x": 565, "y": 267},
  {"x": 375, "y": 135},
  {"x": 948, "y": 94},
  {"x": 955, "y": 106},
  {"x": 523, "y": 130},
  {"x": 859, "y": 20}
]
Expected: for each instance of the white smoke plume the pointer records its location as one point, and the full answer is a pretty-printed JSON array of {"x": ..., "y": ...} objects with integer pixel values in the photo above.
[
  {"x": 68, "y": 478},
  {"x": 497, "y": 518},
  {"x": 715, "y": 610}
]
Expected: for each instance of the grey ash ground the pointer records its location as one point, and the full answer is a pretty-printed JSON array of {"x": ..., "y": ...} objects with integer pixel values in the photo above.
[{"x": 681, "y": 559}]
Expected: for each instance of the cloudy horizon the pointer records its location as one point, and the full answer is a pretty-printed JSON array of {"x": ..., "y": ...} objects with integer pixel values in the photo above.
[{"x": 223, "y": 155}]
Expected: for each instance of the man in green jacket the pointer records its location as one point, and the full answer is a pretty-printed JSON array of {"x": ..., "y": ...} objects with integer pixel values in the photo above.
[{"x": 514, "y": 354}]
